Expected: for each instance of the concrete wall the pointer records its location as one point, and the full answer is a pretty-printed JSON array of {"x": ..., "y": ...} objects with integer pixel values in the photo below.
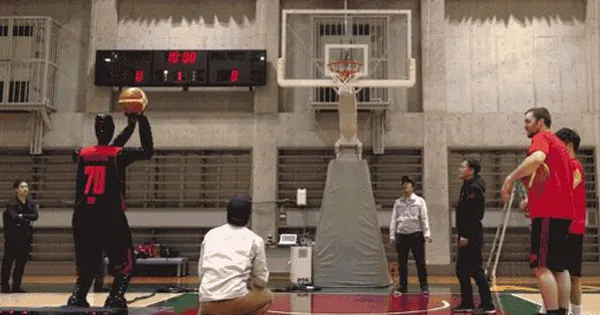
[
  {"x": 505, "y": 56},
  {"x": 71, "y": 78},
  {"x": 481, "y": 65}
]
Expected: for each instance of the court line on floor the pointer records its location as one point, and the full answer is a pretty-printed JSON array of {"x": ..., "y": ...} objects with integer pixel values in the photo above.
[
  {"x": 445, "y": 305},
  {"x": 525, "y": 299},
  {"x": 366, "y": 293}
]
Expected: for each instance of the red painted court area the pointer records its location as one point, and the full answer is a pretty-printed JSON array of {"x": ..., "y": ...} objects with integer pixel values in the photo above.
[
  {"x": 373, "y": 303},
  {"x": 298, "y": 304},
  {"x": 359, "y": 304}
]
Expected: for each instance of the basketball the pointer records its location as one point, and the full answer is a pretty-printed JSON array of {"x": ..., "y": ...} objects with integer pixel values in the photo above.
[
  {"x": 133, "y": 101},
  {"x": 540, "y": 175}
]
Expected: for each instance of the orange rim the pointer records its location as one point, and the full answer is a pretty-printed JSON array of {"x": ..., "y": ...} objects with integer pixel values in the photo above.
[{"x": 345, "y": 68}]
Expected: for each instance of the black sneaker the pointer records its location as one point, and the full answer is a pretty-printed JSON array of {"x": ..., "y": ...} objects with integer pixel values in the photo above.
[
  {"x": 463, "y": 308},
  {"x": 486, "y": 309}
]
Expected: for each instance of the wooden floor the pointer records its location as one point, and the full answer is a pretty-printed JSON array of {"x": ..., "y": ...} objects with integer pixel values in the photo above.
[
  {"x": 516, "y": 296},
  {"x": 439, "y": 302},
  {"x": 194, "y": 280},
  {"x": 60, "y": 299},
  {"x": 590, "y": 302}
]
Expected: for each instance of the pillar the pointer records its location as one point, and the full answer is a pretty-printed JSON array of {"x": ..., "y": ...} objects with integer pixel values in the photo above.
[
  {"x": 592, "y": 38},
  {"x": 104, "y": 27},
  {"x": 266, "y": 107},
  {"x": 435, "y": 146}
]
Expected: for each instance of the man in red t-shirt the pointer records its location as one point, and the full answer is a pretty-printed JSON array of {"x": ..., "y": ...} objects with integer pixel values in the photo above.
[
  {"x": 550, "y": 207},
  {"x": 575, "y": 240}
]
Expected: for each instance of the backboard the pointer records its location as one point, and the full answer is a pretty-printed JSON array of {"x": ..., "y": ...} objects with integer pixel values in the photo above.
[{"x": 379, "y": 39}]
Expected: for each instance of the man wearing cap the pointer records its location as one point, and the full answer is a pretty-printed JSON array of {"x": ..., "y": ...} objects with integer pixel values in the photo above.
[{"x": 233, "y": 266}]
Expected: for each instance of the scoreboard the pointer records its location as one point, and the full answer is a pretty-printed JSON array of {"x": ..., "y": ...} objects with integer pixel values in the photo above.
[{"x": 185, "y": 68}]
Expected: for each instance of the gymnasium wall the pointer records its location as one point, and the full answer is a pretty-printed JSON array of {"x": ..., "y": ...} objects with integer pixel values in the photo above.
[
  {"x": 505, "y": 56},
  {"x": 481, "y": 64}
]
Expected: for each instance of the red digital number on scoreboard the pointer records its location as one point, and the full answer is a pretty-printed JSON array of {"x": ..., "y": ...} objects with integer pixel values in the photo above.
[
  {"x": 186, "y": 57},
  {"x": 235, "y": 74},
  {"x": 139, "y": 76}
]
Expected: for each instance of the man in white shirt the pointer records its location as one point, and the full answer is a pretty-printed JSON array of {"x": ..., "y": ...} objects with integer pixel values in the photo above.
[
  {"x": 409, "y": 228},
  {"x": 233, "y": 266}
]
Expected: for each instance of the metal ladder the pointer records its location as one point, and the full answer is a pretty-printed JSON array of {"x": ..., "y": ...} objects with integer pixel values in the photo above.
[{"x": 496, "y": 251}]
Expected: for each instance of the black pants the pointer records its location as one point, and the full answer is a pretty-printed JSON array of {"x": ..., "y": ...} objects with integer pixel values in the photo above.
[
  {"x": 414, "y": 242},
  {"x": 16, "y": 252},
  {"x": 96, "y": 231},
  {"x": 469, "y": 265},
  {"x": 99, "y": 279}
]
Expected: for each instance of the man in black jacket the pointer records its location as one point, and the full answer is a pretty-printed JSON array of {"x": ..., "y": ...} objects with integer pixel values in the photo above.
[
  {"x": 18, "y": 232},
  {"x": 469, "y": 213}
]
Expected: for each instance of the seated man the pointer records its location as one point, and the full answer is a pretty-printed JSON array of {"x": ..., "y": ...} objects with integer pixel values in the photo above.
[{"x": 233, "y": 266}]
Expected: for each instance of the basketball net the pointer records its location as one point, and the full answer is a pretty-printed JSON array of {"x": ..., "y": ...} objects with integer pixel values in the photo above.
[{"x": 344, "y": 72}]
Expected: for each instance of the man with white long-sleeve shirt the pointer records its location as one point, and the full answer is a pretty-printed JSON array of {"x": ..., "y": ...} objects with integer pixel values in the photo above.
[
  {"x": 409, "y": 228},
  {"x": 233, "y": 266}
]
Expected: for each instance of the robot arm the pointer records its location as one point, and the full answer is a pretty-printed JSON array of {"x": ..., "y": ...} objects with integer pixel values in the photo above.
[
  {"x": 127, "y": 132},
  {"x": 146, "y": 151}
]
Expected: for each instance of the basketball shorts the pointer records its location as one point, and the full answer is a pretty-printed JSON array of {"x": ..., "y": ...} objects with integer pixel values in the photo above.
[
  {"x": 575, "y": 254},
  {"x": 549, "y": 244}
]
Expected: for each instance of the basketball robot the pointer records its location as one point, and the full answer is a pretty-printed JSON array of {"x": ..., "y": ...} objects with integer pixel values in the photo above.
[{"x": 99, "y": 222}]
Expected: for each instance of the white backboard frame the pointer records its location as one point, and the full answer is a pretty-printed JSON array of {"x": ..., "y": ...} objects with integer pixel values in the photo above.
[{"x": 290, "y": 83}]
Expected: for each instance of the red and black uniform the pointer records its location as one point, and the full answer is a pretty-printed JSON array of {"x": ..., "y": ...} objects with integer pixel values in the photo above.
[
  {"x": 577, "y": 229},
  {"x": 551, "y": 205},
  {"x": 99, "y": 220}
]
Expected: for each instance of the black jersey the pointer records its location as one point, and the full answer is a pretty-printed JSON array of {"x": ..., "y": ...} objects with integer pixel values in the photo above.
[
  {"x": 101, "y": 169},
  {"x": 98, "y": 181}
]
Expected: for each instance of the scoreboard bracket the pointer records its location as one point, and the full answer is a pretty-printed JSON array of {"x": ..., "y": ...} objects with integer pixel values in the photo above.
[{"x": 191, "y": 89}]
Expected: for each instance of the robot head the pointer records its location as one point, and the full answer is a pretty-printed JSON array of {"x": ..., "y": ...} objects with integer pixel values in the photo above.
[
  {"x": 105, "y": 128},
  {"x": 239, "y": 210}
]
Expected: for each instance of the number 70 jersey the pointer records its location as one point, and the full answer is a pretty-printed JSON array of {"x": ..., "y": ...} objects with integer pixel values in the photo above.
[{"x": 99, "y": 183}]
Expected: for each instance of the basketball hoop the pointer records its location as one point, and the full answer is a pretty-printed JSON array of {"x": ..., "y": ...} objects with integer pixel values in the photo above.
[{"x": 343, "y": 72}]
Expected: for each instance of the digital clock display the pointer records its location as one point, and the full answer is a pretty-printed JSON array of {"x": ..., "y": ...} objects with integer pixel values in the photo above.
[
  {"x": 185, "y": 57},
  {"x": 180, "y": 68},
  {"x": 183, "y": 67}
]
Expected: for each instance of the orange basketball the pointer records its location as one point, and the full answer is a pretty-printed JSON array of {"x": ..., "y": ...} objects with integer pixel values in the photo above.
[{"x": 133, "y": 101}]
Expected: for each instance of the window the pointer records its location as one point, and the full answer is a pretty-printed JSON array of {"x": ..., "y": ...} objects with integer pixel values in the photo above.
[
  {"x": 23, "y": 31},
  {"x": 18, "y": 92},
  {"x": 365, "y": 30},
  {"x": 3, "y": 30}
]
